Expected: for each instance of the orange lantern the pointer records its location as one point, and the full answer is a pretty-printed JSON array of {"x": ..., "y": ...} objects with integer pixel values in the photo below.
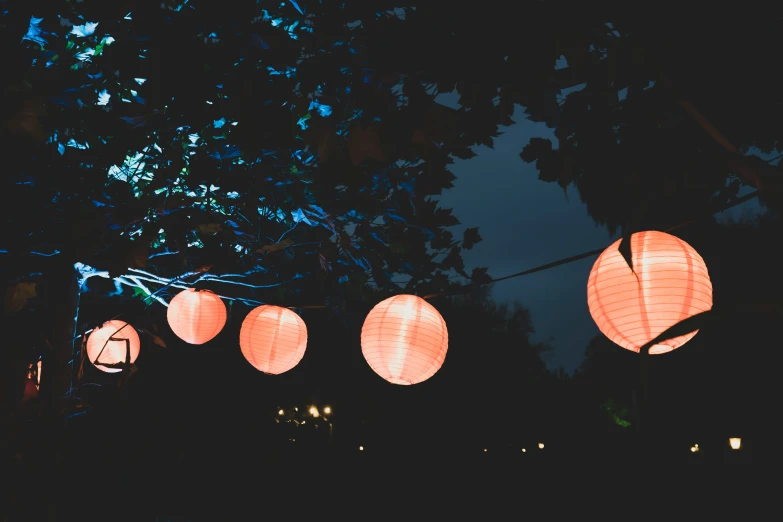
[
  {"x": 668, "y": 284},
  {"x": 111, "y": 344},
  {"x": 196, "y": 316},
  {"x": 273, "y": 339},
  {"x": 404, "y": 339}
]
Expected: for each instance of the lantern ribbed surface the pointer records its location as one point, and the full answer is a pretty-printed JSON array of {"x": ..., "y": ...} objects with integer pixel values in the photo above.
[
  {"x": 106, "y": 344},
  {"x": 670, "y": 284},
  {"x": 196, "y": 316},
  {"x": 273, "y": 339},
  {"x": 404, "y": 339}
]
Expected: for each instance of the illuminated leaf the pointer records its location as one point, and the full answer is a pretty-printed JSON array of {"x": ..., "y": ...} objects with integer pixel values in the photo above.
[
  {"x": 209, "y": 229},
  {"x": 16, "y": 296},
  {"x": 274, "y": 247}
]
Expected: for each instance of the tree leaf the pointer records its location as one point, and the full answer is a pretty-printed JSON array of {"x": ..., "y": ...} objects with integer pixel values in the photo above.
[
  {"x": 398, "y": 247},
  {"x": 453, "y": 260},
  {"x": 16, "y": 296},
  {"x": 537, "y": 148},
  {"x": 625, "y": 250},
  {"x": 364, "y": 143},
  {"x": 470, "y": 237},
  {"x": 155, "y": 339},
  {"x": 209, "y": 229},
  {"x": 684, "y": 327},
  {"x": 479, "y": 275},
  {"x": 274, "y": 247}
]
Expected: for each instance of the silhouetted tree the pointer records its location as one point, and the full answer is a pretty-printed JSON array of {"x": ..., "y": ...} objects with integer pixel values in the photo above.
[{"x": 652, "y": 129}]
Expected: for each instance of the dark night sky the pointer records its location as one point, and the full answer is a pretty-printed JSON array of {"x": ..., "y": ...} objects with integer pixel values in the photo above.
[{"x": 525, "y": 223}]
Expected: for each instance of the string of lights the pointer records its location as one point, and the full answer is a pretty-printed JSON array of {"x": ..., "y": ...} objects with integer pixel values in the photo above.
[{"x": 180, "y": 281}]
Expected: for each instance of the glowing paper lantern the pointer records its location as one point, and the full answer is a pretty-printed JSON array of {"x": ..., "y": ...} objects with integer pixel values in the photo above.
[
  {"x": 196, "y": 316},
  {"x": 404, "y": 339},
  {"x": 110, "y": 343},
  {"x": 668, "y": 284},
  {"x": 273, "y": 339}
]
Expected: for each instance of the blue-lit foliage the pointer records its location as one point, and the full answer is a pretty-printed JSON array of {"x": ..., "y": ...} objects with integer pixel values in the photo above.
[{"x": 260, "y": 140}]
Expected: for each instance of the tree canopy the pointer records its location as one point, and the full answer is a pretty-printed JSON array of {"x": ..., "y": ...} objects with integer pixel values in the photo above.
[
  {"x": 303, "y": 141},
  {"x": 270, "y": 142}
]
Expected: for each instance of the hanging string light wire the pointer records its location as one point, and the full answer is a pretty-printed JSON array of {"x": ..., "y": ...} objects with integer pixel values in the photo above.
[
  {"x": 470, "y": 287},
  {"x": 467, "y": 288}
]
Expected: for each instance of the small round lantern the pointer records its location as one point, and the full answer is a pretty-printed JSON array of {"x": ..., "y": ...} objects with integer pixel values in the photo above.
[
  {"x": 196, "y": 316},
  {"x": 273, "y": 339},
  {"x": 668, "y": 284},
  {"x": 404, "y": 339},
  {"x": 110, "y": 344}
]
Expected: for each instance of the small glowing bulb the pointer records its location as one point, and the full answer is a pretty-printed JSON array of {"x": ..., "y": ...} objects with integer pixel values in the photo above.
[
  {"x": 694, "y": 449},
  {"x": 327, "y": 410},
  {"x": 735, "y": 443},
  {"x": 540, "y": 445},
  {"x": 524, "y": 450},
  {"x": 314, "y": 411},
  {"x": 280, "y": 412},
  {"x": 303, "y": 422},
  {"x": 296, "y": 409},
  {"x": 485, "y": 450},
  {"x": 361, "y": 448}
]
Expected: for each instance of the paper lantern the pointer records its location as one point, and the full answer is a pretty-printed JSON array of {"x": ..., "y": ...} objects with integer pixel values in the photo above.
[
  {"x": 273, "y": 339},
  {"x": 668, "y": 284},
  {"x": 196, "y": 316},
  {"x": 109, "y": 344},
  {"x": 404, "y": 339}
]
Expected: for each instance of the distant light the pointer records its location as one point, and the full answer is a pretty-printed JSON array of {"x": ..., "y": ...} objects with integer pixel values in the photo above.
[
  {"x": 303, "y": 422},
  {"x": 361, "y": 448},
  {"x": 314, "y": 411},
  {"x": 485, "y": 450},
  {"x": 327, "y": 410},
  {"x": 524, "y": 450},
  {"x": 735, "y": 443},
  {"x": 296, "y": 409},
  {"x": 695, "y": 448},
  {"x": 280, "y": 412},
  {"x": 540, "y": 445}
]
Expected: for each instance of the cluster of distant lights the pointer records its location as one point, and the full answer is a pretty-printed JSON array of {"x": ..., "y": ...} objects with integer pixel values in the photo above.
[
  {"x": 735, "y": 443},
  {"x": 524, "y": 450},
  {"x": 313, "y": 411}
]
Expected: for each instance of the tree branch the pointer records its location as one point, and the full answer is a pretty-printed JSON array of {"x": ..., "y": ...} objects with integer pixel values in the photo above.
[{"x": 44, "y": 254}]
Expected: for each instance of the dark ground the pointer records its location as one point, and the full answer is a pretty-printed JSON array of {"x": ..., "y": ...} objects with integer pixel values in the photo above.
[{"x": 105, "y": 473}]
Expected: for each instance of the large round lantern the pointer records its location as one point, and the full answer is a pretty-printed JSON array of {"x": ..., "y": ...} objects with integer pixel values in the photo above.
[
  {"x": 196, "y": 316},
  {"x": 668, "y": 284},
  {"x": 111, "y": 344},
  {"x": 404, "y": 339},
  {"x": 273, "y": 339}
]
